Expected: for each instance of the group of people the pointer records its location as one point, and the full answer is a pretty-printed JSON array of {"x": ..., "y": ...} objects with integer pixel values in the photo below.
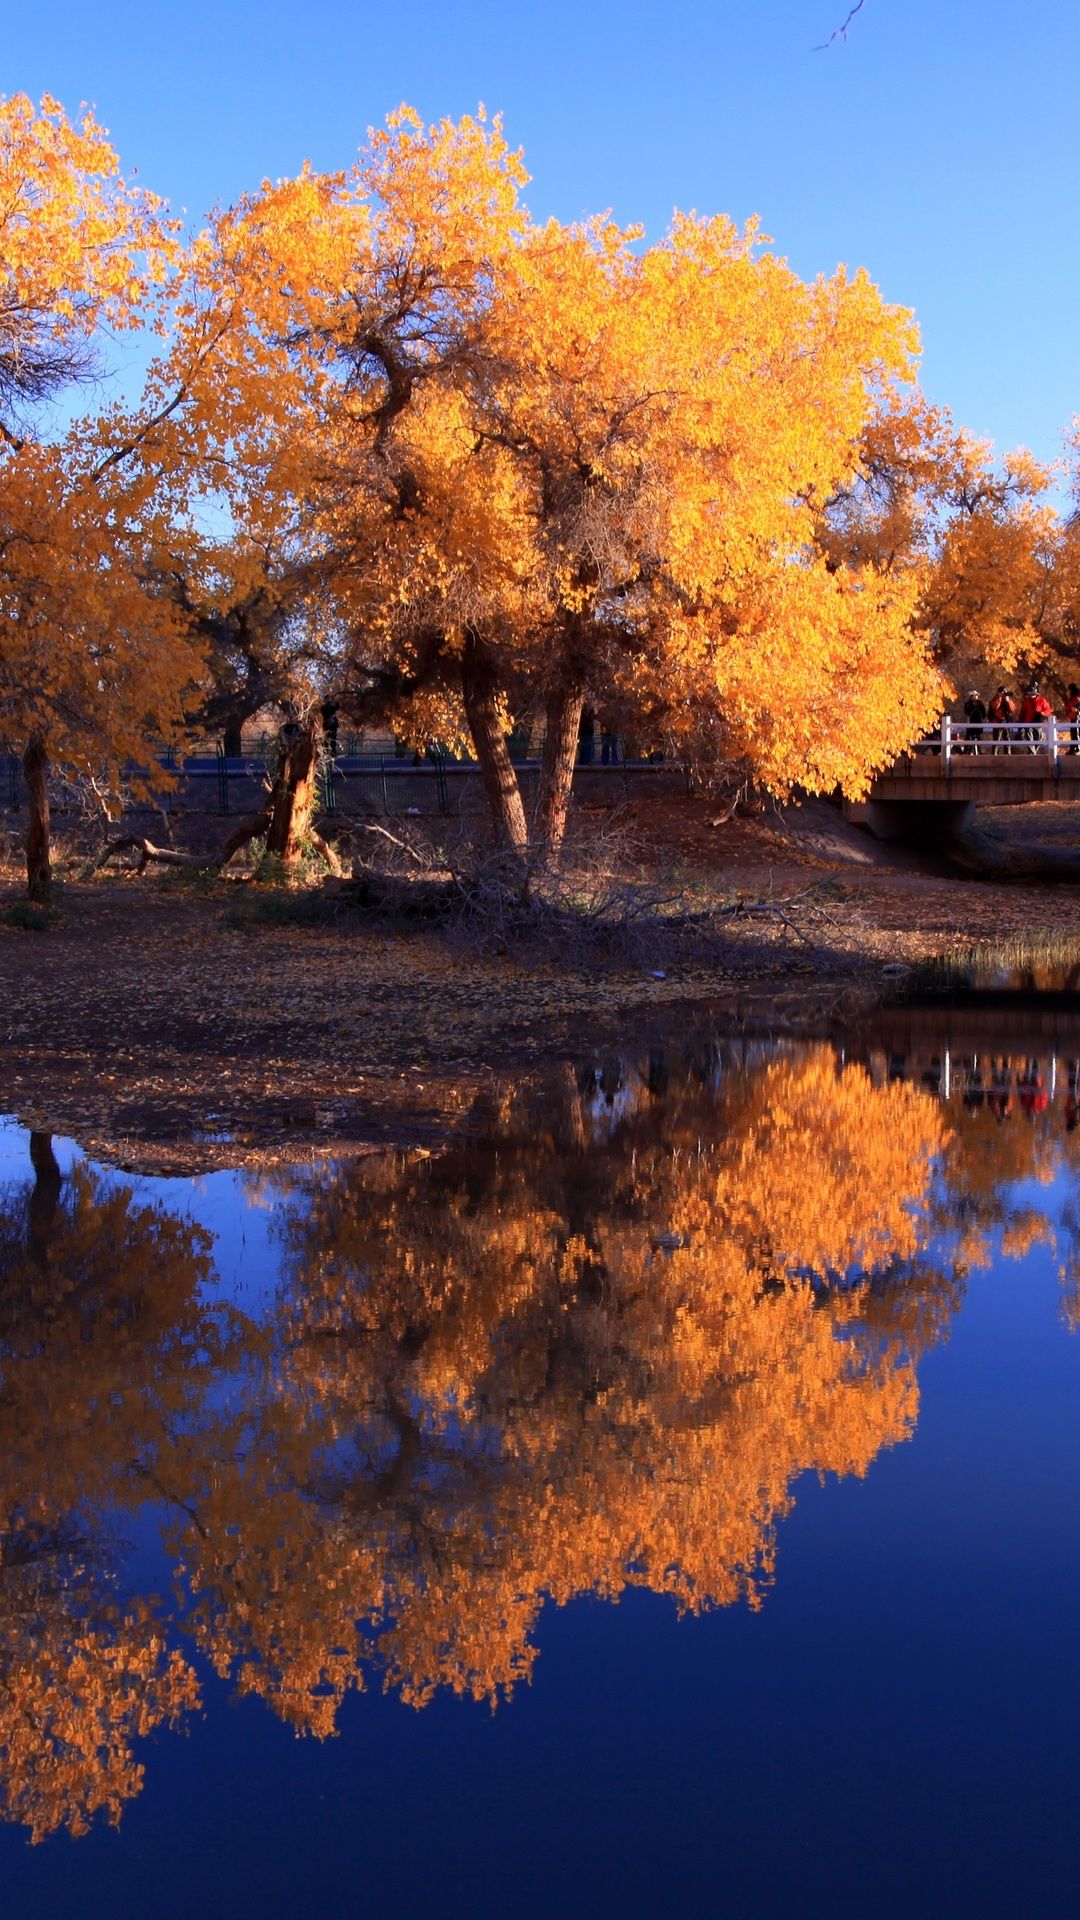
[{"x": 991, "y": 724}]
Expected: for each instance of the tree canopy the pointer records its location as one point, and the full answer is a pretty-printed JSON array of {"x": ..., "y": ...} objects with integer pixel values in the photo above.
[{"x": 405, "y": 449}]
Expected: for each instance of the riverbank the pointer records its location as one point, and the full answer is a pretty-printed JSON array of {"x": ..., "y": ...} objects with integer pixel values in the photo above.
[{"x": 164, "y": 1026}]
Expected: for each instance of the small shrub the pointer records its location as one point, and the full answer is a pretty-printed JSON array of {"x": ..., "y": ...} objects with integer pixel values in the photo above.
[
  {"x": 202, "y": 881},
  {"x": 283, "y": 907},
  {"x": 28, "y": 917}
]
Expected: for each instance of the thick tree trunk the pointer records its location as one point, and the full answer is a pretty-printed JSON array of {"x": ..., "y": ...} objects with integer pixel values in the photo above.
[
  {"x": 563, "y": 709},
  {"x": 38, "y": 861},
  {"x": 481, "y": 695},
  {"x": 233, "y": 738},
  {"x": 292, "y": 797}
]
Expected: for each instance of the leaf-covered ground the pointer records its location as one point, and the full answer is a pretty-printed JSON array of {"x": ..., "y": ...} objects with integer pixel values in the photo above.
[{"x": 155, "y": 1029}]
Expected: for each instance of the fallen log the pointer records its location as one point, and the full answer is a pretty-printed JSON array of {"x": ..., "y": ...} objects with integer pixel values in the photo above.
[{"x": 214, "y": 862}]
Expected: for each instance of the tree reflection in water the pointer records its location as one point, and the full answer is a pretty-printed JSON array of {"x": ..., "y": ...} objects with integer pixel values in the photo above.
[
  {"x": 106, "y": 1350},
  {"x": 589, "y": 1346}
]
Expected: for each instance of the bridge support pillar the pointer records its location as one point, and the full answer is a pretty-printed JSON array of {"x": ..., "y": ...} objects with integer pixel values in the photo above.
[{"x": 913, "y": 819}]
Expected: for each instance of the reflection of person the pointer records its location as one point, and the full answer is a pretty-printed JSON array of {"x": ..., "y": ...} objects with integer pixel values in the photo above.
[
  {"x": 1033, "y": 1095},
  {"x": 974, "y": 1091},
  {"x": 999, "y": 1098}
]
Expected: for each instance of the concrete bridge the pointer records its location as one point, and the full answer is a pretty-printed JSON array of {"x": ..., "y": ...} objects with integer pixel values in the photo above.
[{"x": 936, "y": 787}]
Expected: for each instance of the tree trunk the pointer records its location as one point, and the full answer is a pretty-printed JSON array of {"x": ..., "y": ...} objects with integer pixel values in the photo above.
[
  {"x": 292, "y": 798},
  {"x": 563, "y": 708},
  {"x": 44, "y": 1199},
  {"x": 233, "y": 738},
  {"x": 481, "y": 695},
  {"x": 38, "y": 863}
]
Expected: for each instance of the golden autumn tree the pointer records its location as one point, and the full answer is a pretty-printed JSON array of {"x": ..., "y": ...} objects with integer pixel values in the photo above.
[
  {"x": 614, "y": 501},
  {"x": 989, "y": 597},
  {"x": 979, "y": 538},
  {"x": 539, "y": 464},
  {"x": 93, "y": 661},
  {"x": 332, "y": 303},
  {"x": 1059, "y": 652},
  {"x": 669, "y": 413}
]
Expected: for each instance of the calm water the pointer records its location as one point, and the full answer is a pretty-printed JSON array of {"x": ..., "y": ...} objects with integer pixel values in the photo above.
[{"x": 662, "y": 1501}]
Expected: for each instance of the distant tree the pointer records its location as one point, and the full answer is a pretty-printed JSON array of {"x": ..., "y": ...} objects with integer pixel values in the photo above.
[
  {"x": 978, "y": 538},
  {"x": 93, "y": 663}
]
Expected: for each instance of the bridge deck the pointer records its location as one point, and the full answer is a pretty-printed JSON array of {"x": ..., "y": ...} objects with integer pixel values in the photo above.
[
  {"x": 998, "y": 765},
  {"x": 995, "y": 780}
]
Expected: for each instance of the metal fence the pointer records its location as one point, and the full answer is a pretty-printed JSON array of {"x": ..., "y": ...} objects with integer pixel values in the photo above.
[
  {"x": 1051, "y": 737},
  {"x": 361, "y": 783}
]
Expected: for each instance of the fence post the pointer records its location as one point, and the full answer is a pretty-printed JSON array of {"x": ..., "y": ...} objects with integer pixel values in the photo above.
[
  {"x": 946, "y": 742},
  {"x": 1052, "y": 742},
  {"x": 440, "y": 783},
  {"x": 222, "y": 780},
  {"x": 382, "y": 780}
]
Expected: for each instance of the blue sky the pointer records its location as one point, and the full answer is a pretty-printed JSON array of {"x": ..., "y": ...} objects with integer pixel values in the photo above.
[{"x": 937, "y": 145}]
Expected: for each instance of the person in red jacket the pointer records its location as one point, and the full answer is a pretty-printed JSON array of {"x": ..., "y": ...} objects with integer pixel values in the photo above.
[
  {"x": 1035, "y": 709},
  {"x": 1001, "y": 711}
]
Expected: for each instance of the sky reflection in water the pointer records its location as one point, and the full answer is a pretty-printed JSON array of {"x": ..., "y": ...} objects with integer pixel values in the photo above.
[{"x": 775, "y": 1348}]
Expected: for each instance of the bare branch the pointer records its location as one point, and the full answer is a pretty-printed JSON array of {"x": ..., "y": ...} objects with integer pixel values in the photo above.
[{"x": 840, "y": 32}]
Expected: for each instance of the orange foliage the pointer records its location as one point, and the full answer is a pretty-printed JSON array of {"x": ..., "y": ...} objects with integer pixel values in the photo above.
[
  {"x": 536, "y": 463},
  {"x": 528, "y": 1369},
  {"x": 589, "y": 1348},
  {"x": 105, "y": 1353},
  {"x": 93, "y": 662}
]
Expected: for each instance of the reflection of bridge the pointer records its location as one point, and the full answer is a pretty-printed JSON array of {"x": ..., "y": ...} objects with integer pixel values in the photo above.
[
  {"x": 937, "y": 785},
  {"x": 983, "y": 1024},
  {"x": 974, "y": 1048}
]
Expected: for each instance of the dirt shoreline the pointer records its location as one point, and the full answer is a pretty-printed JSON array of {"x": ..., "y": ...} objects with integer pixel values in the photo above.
[{"x": 164, "y": 1037}]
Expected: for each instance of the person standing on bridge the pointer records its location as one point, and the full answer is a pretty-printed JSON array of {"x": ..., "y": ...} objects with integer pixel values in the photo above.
[
  {"x": 1035, "y": 709},
  {"x": 1001, "y": 711},
  {"x": 1070, "y": 713},
  {"x": 975, "y": 714}
]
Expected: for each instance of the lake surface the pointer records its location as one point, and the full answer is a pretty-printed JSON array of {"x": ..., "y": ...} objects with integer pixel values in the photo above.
[{"x": 662, "y": 1500}]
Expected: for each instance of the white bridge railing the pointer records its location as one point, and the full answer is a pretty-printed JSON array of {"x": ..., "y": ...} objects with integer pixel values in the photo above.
[{"x": 1052, "y": 738}]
